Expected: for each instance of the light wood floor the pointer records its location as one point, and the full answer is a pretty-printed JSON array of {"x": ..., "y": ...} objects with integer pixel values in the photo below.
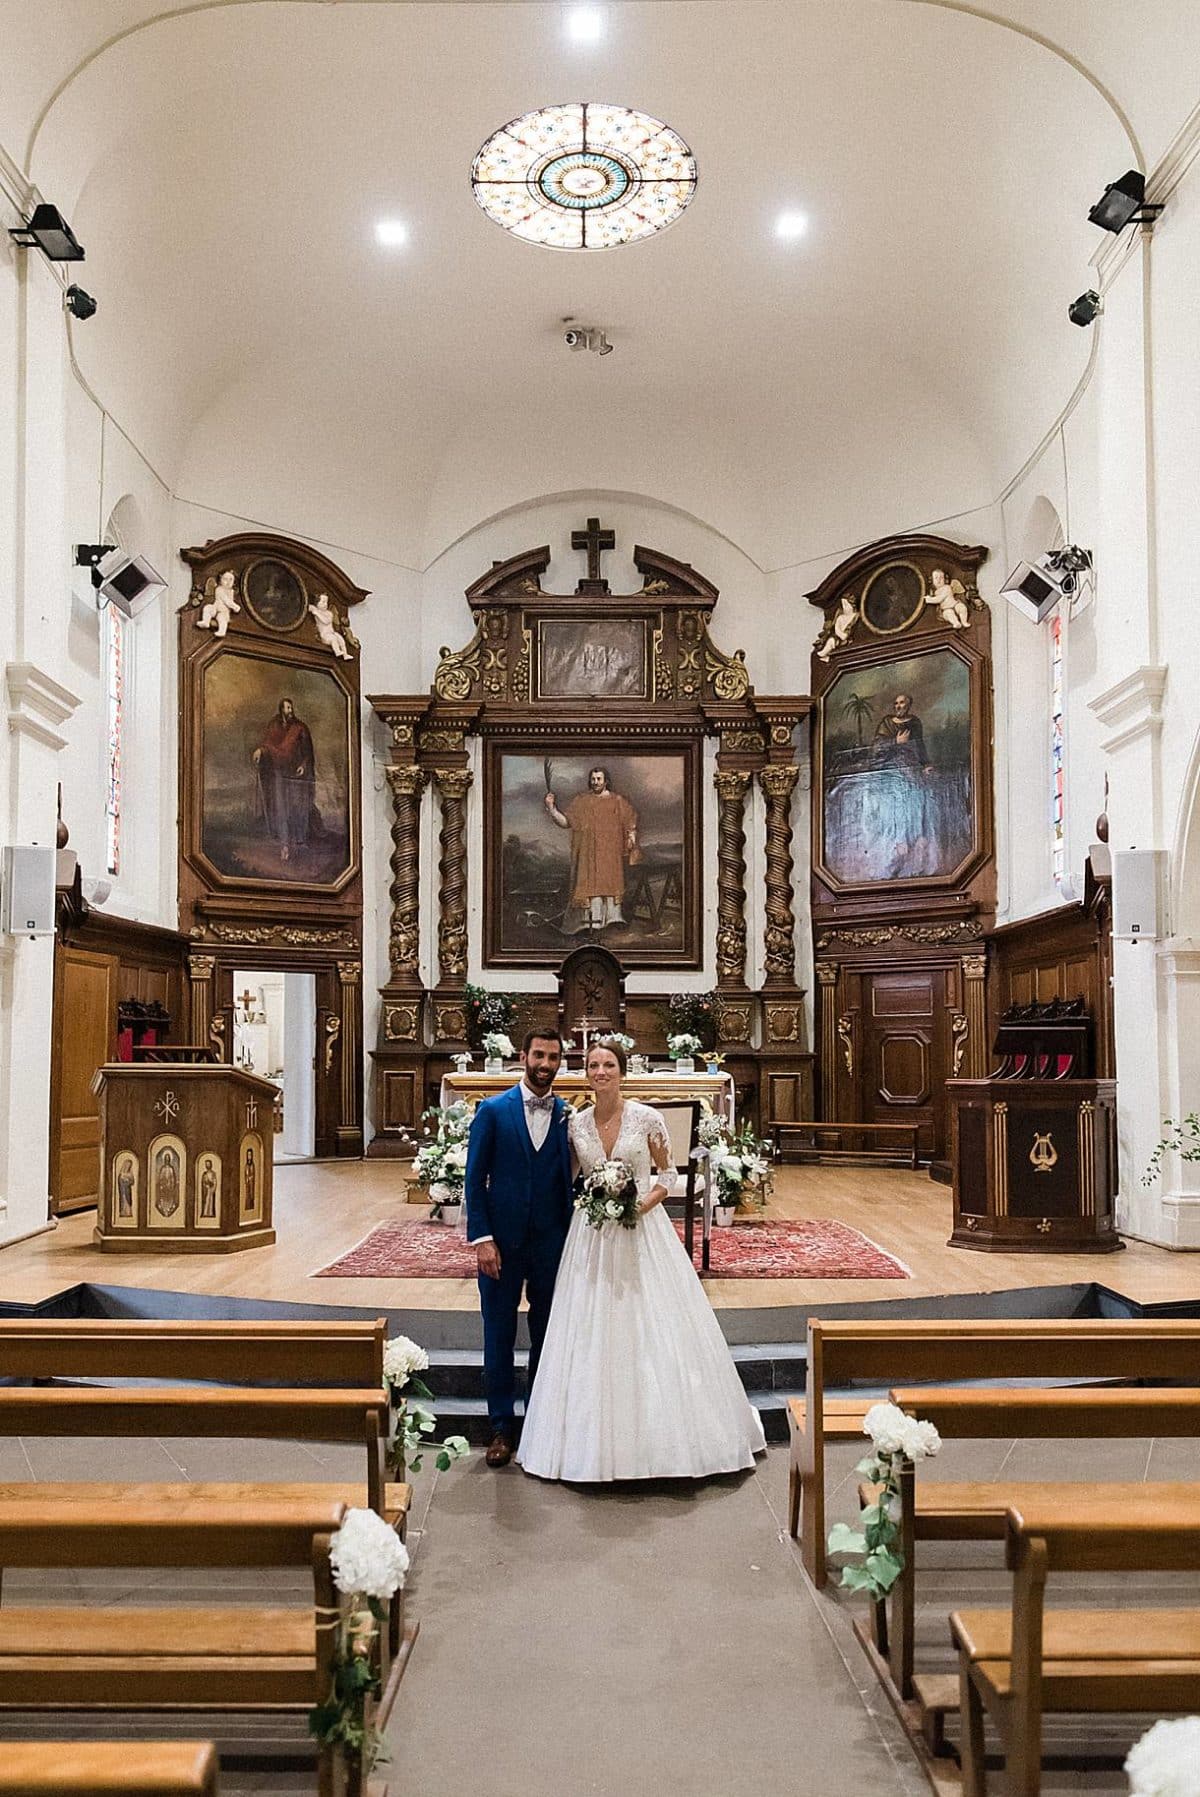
[{"x": 322, "y": 1209}]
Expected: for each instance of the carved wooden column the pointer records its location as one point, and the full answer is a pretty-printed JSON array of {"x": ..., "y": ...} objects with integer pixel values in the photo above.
[
  {"x": 778, "y": 781},
  {"x": 975, "y": 1060},
  {"x": 827, "y": 1025},
  {"x": 453, "y": 784},
  {"x": 200, "y": 975},
  {"x": 732, "y": 785},
  {"x": 346, "y": 1038},
  {"x": 404, "y": 934}
]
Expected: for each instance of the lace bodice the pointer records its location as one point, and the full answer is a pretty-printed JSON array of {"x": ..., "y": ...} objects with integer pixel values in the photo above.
[{"x": 640, "y": 1126}]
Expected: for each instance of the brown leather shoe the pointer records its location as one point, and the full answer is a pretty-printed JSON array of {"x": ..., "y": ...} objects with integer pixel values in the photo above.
[{"x": 500, "y": 1451}]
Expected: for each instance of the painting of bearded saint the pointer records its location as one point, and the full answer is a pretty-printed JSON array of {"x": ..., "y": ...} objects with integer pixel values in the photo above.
[
  {"x": 896, "y": 780},
  {"x": 277, "y": 771}
]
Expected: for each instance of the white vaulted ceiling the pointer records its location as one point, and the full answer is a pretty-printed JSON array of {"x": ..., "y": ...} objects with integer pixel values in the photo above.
[{"x": 225, "y": 165}]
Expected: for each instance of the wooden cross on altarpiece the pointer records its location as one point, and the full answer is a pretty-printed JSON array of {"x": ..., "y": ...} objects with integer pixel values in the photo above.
[{"x": 595, "y": 541}]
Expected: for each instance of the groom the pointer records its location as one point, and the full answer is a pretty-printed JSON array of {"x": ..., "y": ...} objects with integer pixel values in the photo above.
[{"x": 518, "y": 1186}]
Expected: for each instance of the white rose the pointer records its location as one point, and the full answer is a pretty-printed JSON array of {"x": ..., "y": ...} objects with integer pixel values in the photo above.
[
  {"x": 401, "y": 1358},
  {"x": 612, "y": 1208},
  {"x": 1163, "y": 1763},
  {"x": 920, "y": 1440},
  {"x": 367, "y": 1556},
  {"x": 886, "y": 1425}
]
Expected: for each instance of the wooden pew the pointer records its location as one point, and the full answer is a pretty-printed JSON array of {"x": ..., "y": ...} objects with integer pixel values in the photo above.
[
  {"x": 108, "y": 1769},
  {"x": 225, "y": 1353},
  {"x": 843, "y": 1350},
  {"x": 211, "y": 1658},
  {"x": 1019, "y": 1664}
]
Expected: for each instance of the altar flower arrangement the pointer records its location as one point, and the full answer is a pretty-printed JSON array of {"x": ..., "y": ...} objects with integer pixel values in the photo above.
[
  {"x": 895, "y": 1438},
  {"x": 441, "y": 1160},
  {"x": 614, "y": 1039},
  {"x": 608, "y": 1194},
  {"x": 497, "y": 1046},
  {"x": 369, "y": 1563},
  {"x": 413, "y": 1422},
  {"x": 489, "y": 1011},
  {"x": 683, "y": 1047},
  {"x": 699, "y": 1013},
  {"x": 1164, "y": 1762}
]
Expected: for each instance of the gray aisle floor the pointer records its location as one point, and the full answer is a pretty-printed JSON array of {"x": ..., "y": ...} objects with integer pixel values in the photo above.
[{"x": 627, "y": 1640}]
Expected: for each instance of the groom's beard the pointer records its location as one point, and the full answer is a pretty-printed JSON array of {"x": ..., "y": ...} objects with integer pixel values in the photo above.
[{"x": 541, "y": 1079}]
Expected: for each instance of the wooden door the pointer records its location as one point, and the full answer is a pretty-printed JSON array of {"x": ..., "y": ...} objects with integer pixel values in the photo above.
[
  {"x": 85, "y": 1023},
  {"x": 903, "y": 1072}
]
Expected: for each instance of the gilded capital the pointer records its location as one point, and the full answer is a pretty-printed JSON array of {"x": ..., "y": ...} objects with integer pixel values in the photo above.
[
  {"x": 778, "y": 779},
  {"x": 731, "y": 784},
  {"x": 453, "y": 782},
  {"x": 827, "y": 972},
  {"x": 408, "y": 781}
]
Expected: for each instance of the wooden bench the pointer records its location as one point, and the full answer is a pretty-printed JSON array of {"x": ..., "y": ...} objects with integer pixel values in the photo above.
[
  {"x": 224, "y": 1353},
  {"x": 230, "y": 1658},
  {"x": 1018, "y": 1664},
  {"x": 933, "y": 1511},
  {"x": 906, "y": 1136},
  {"x": 108, "y": 1769},
  {"x": 843, "y": 1350}
]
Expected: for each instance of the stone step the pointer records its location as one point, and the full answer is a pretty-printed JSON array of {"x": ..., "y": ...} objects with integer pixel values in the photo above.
[
  {"x": 468, "y": 1416},
  {"x": 764, "y": 1368}
]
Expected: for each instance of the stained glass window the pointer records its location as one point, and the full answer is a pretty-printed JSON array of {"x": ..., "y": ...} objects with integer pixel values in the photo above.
[
  {"x": 1058, "y": 806},
  {"x": 114, "y": 726},
  {"x": 584, "y": 176}
]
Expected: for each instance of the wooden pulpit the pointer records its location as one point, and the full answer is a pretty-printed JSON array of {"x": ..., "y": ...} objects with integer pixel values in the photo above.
[{"x": 185, "y": 1158}]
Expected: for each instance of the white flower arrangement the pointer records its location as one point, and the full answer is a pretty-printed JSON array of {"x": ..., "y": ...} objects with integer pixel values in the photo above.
[
  {"x": 369, "y": 1563},
  {"x": 740, "y": 1161},
  {"x": 1166, "y": 1761},
  {"x": 608, "y": 1194},
  {"x": 497, "y": 1046},
  {"x": 441, "y": 1160},
  {"x": 614, "y": 1039},
  {"x": 402, "y": 1358},
  {"x": 367, "y": 1556},
  {"x": 895, "y": 1438},
  {"x": 684, "y": 1047}
]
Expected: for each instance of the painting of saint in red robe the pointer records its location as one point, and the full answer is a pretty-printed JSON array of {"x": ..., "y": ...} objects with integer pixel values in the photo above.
[{"x": 277, "y": 788}]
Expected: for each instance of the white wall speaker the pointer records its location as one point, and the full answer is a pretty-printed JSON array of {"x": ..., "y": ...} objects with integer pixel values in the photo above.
[
  {"x": 1139, "y": 894},
  {"x": 27, "y": 890}
]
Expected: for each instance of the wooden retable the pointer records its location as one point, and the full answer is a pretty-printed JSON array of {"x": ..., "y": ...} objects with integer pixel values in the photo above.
[{"x": 646, "y": 1088}]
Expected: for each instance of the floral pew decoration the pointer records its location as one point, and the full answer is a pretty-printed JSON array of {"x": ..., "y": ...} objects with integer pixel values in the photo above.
[
  {"x": 741, "y": 1165},
  {"x": 896, "y": 1438},
  {"x": 1166, "y": 1761},
  {"x": 413, "y": 1417},
  {"x": 441, "y": 1160},
  {"x": 369, "y": 1564}
]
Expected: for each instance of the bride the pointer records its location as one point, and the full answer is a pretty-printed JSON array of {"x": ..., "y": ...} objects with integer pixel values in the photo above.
[{"x": 635, "y": 1380}]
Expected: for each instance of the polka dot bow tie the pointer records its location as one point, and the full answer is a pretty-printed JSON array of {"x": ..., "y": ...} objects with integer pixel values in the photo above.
[{"x": 540, "y": 1104}]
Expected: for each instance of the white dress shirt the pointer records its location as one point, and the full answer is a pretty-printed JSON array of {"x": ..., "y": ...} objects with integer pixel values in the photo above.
[{"x": 537, "y": 1122}]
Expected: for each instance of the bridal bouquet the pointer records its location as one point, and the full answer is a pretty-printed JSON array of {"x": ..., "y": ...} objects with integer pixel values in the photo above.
[{"x": 608, "y": 1194}]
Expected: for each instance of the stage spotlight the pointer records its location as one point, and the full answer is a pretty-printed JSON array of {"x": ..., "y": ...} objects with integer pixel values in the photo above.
[
  {"x": 79, "y": 303},
  {"x": 1123, "y": 203},
  {"x": 49, "y": 232},
  {"x": 1086, "y": 308},
  {"x": 126, "y": 582},
  {"x": 1035, "y": 588}
]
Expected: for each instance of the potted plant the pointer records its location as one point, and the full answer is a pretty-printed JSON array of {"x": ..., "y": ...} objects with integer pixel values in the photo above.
[
  {"x": 683, "y": 1050},
  {"x": 488, "y": 1012},
  {"x": 741, "y": 1168},
  {"x": 496, "y": 1045},
  {"x": 696, "y": 1013},
  {"x": 441, "y": 1160}
]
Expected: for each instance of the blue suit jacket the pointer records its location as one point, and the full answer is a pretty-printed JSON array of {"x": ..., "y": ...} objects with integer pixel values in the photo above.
[{"x": 499, "y": 1163}]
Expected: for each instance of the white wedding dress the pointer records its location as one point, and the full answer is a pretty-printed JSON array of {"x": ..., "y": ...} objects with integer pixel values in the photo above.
[{"x": 635, "y": 1380}]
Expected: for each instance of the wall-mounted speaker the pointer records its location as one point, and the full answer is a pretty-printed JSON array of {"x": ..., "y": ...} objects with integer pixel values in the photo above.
[
  {"x": 1139, "y": 894},
  {"x": 27, "y": 890}
]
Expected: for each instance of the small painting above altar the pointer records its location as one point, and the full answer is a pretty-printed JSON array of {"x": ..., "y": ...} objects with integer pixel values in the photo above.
[
  {"x": 592, "y": 658},
  {"x": 277, "y": 762},
  {"x": 897, "y": 782},
  {"x": 598, "y": 843}
]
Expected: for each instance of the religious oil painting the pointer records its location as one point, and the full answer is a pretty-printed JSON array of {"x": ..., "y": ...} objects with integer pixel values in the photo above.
[
  {"x": 893, "y": 598},
  {"x": 167, "y": 1162},
  {"x": 277, "y": 776},
  {"x": 592, "y": 844},
  {"x": 897, "y": 785},
  {"x": 123, "y": 1191},
  {"x": 274, "y": 596},
  {"x": 592, "y": 658},
  {"x": 250, "y": 1179},
  {"x": 207, "y": 1203}
]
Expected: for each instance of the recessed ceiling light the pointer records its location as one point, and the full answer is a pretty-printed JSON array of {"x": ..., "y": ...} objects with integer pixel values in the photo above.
[
  {"x": 391, "y": 232},
  {"x": 584, "y": 24},
  {"x": 790, "y": 225}
]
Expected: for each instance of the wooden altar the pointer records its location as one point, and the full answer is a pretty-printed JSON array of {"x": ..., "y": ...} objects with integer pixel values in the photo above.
[
  {"x": 714, "y": 1089},
  {"x": 185, "y": 1158}
]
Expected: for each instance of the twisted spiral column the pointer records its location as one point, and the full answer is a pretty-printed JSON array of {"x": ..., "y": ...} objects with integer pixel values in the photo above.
[
  {"x": 731, "y": 785},
  {"x": 453, "y": 784},
  {"x": 777, "y": 782},
  {"x": 404, "y": 937}
]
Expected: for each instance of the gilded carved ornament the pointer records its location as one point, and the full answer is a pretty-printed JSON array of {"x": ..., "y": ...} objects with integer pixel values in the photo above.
[{"x": 960, "y": 1029}]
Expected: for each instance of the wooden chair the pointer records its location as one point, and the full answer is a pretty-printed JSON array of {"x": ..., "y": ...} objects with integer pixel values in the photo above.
[
  {"x": 1016, "y": 1665},
  {"x": 108, "y": 1769},
  {"x": 841, "y": 1351},
  {"x": 682, "y": 1118},
  {"x": 211, "y": 1658}
]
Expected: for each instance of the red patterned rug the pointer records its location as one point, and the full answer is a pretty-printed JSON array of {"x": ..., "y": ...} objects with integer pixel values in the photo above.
[{"x": 817, "y": 1249}]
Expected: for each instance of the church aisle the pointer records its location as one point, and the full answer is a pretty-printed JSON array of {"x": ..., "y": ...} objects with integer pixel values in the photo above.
[{"x": 625, "y": 1642}]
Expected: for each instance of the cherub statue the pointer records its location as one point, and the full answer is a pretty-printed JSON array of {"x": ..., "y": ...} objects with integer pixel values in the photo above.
[
  {"x": 950, "y": 597},
  {"x": 222, "y": 601},
  {"x": 842, "y": 628},
  {"x": 327, "y": 622}
]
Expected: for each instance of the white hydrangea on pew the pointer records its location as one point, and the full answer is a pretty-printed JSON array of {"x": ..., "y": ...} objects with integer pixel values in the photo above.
[
  {"x": 369, "y": 1564},
  {"x": 895, "y": 1438},
  {"x": 413, "y": 1422},
  {"x": 1166, "y": 1761}
]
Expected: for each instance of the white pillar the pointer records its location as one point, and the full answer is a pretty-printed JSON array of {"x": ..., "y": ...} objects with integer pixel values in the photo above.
[{"x": 1178, "y": 1185}]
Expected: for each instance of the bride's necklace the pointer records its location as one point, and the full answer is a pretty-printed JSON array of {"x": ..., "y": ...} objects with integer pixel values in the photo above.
[{"x": 601, "y": 1129}]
